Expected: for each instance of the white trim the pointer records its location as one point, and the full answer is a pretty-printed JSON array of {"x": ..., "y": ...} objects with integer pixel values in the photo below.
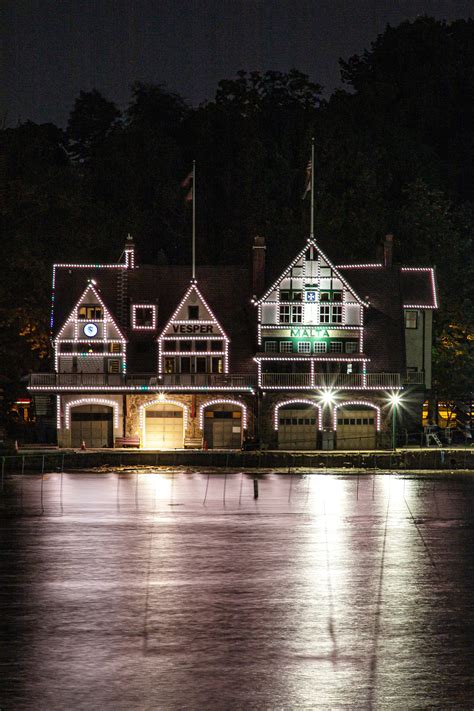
[
  {"x": 299, "y": 401},
  {"x": 161, "y": 401},
  {"x": 90, "y": 401},
  {"x": 366, "y": 403},
  {"x": 224, "y": 401}
]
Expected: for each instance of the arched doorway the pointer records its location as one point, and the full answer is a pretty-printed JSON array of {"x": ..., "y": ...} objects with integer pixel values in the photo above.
[
  {"x": 356, "y": 424},
  {"x": 223, "y": 423},
  {"x": 91, "y": 424},
  {"x": 297, "y": 423},
  {"x": 163, "y": 424}
]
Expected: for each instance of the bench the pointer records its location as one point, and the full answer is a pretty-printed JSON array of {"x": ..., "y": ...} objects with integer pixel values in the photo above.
[{"x": 127, "y": 442}]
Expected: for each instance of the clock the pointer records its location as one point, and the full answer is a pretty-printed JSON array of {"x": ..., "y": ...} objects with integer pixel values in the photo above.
[{"x": 90, "y": 330}]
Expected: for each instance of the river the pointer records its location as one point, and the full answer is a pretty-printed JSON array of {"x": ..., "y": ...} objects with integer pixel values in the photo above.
[{"x": 180, "y": 590}]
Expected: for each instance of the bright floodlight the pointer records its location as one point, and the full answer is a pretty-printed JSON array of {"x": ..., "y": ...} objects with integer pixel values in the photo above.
[
  {"x": 395, "y": 398},
  {"x": 327, "y": 397}
]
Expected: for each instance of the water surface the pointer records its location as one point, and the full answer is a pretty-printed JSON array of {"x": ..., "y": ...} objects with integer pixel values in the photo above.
[{"x": 172, "y": 590}]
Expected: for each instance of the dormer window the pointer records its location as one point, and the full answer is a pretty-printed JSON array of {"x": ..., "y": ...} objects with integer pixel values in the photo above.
[
  {"x": 143, "y": 317},
  {"x": 193, "y": 313},
  {"x": 91, "y": 312}
]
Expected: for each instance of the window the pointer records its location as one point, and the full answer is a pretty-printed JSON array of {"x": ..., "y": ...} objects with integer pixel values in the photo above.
[
  {"x": 270, "y": 346},
  {"x": 337, "y": 295},
  {"x": 201, "y": 345},
  {"x": 114, "y": 347},
  {"x": 90, "y": 311},
  {"x": 185, "y": 345},
  {"x": 320, "y": 347},
  {"x": 291, "y": 314},
  {"x": 349, "y": 367},
  {"x": 143, "y": 316},
  {"x": 193, "y": 313},
  {"x": 201, "y": 365},
  {"x": 284, "y": 295},
  {"x": 216, "y": 365},
  {"x": 337, "y": 314},
  {"x": 325, "y": 296},
  {"x": 335, "y": 347},
  {"x": 411, "y": 319},
  {"x": 304, "y": 347},
  {"x": 285, "y": 314},
  {"x": 286, "y": 347},
  {"x": 352, "y": 346},
  {"x": 217, "y": 345},
  {"x": 169, "y": 346},
  {"x": 185, "y": 364},
  {"x": 324, "y": 314}
]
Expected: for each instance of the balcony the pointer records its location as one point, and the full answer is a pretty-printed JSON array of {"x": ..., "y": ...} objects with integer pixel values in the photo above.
[
  {"x": 353, "y": 381},
  {"x": 140, "y": 381}
]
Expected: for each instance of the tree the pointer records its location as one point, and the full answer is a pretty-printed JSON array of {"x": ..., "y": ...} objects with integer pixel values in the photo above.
[{"x": 90, "y": 122}]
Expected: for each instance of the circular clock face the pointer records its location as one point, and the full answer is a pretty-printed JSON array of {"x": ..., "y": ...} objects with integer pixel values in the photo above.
[{"x": 90, "y": 330}]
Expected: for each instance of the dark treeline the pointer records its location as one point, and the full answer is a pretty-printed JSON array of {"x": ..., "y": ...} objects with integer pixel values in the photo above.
[{"x": 394, "y": 153}]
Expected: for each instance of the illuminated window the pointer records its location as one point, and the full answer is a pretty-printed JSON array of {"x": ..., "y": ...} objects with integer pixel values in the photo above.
[
  {"x": 304, "y": 347},
  {"x": 352, "y": 346},
  {"x": 320, "y": 347},
  {"x": 411, "y": 319},
  {"x": 216, "y": 365},
  {"x": 90, "y": 311},
  {"x": 286, "y": 347},
  {"x": 170, "y": 365}
]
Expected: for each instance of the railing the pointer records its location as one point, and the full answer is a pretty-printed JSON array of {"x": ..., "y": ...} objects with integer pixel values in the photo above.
[
  {"x": 330, "y": 380},
  {"x": 150, "y": 380},
  {"x": 417, "y": 378}
]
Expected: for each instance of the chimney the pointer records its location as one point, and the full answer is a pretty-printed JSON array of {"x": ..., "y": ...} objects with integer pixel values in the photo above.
[
  {"x": 387, "y": 251},
  {"x": 129, "y": 250},
  {"x": 258, "y": 265}
]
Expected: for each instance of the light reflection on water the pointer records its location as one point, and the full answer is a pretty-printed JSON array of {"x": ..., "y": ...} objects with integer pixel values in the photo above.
[{"x": 172, "y": 590}]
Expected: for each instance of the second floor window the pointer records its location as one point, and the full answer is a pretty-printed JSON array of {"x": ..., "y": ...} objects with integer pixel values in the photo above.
[
  {"x": 291, "y": 313},
  {"x": 92, "y": 312},
  {"x": 330, "y": 313}
]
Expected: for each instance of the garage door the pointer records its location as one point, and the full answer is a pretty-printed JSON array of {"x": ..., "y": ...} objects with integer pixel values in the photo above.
[
  {"x": 92, "y": 424},
  {"x": 223, "y": 427},
  {"x": 164, "y": 427},
  {"x": 297, "y": 428},
  {"x": 356, "y": 429}
]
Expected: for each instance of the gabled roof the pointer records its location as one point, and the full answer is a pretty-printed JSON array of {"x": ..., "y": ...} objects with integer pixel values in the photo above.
[
  {"x": 73, "y": 314},
  {"x": 300, "y": 255},
  {"x": 193, "y": 288},
  {"x": 419, "y": 288}
]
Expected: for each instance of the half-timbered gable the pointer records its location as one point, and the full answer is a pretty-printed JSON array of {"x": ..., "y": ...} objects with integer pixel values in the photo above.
[{"x": 310, "y": 325}]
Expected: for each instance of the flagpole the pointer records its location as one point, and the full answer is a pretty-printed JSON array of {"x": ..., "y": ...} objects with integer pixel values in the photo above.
[
  {"x": 194, "y": 220},
  {"x": 311, "y": 232}
]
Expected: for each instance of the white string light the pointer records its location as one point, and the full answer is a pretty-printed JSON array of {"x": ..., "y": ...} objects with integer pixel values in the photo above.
[
  {"x": 431, "y": 272},
  {"x": 90, "y": 401},
  {"x": 135, "y": 325},
  {"x": 161, "y": 400},
  {"x": 366, "y": 403},
  {"x": 299, "y": 401},
  {"x": 224, "y": 401}
]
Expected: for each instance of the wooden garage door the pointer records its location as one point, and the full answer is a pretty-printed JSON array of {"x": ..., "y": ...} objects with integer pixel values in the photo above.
[
  {"x": 164, "y": 427},
  {"x": 223, "y": 427},
  {"x": 92, "y": 424},
  {"x": 356, "y": 429},
  {"x": 297, "y": 428}
]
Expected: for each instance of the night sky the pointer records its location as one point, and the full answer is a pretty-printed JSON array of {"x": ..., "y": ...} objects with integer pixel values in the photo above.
[{"x": 54, "y": 48}]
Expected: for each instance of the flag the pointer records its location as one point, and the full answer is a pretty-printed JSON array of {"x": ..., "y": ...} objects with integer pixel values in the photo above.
[
  {"x": 307, "y": 187},
  {"x": 188, "y": 183}
]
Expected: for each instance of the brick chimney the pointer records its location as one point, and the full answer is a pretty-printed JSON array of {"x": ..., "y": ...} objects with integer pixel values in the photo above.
[
  {"x": 258, "y": 265},
  {"x": 388, "y": 251}
]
